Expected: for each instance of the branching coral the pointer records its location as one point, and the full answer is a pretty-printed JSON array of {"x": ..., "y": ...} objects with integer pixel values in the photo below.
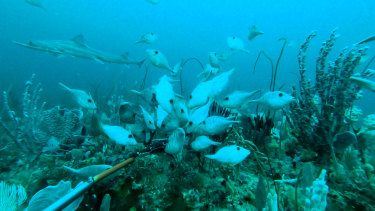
[{"x": 319, "y": 112}]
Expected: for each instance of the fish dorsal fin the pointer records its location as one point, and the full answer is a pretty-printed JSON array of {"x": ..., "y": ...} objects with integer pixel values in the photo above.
[
  {"x": 80, "y": 40},
  {"x": 125, "y": 55}
]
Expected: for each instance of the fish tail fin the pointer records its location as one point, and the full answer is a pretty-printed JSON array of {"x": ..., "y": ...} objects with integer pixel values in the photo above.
[
  {"x": 141, "y": 63},
  {"x": 136, "y": 92},
  {"x": 69, "y": 169},
  {"x": 245, "y": 51},
  {"x": 139, "y": 41},
  {"x": 216, "y": 143},
  {"x": 212, "y": 157},
  {"x": 63, "y": 86},
  {"x": 253, "y": 101}
]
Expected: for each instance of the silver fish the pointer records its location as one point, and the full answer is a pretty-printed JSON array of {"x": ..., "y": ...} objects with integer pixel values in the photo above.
[
  {"x": 274, "y": 100},
  {"x": 81, "y": 97}
]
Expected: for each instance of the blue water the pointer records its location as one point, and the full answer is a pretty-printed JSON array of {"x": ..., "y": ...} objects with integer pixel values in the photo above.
[{"x": 185, "y": 28}]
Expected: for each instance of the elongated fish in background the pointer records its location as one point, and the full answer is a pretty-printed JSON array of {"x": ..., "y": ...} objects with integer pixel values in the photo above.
[
  {"x": 158, "y": 59},
  {"x": 148, "y": 38},
  {"x": 237, "y": 99},
  {"x": 164, "y": 93},
  {"x": 77, "y": 47},
  {"x": 236, "y": 44},
  {"x": 119, "y": 135},
  {"x": 154, "y": 2},
  {"x": 88, "y": 171},
  {"x": 253, "y": 32},
  {"x": 363, "y": 82},
  {"x": 83, "y": 99},
  {"x": 370, "y": 39},
  {"x": 36, "y": 3},
  {"x": 230, "y": 154},
  {"x": 274, "y": 100}
]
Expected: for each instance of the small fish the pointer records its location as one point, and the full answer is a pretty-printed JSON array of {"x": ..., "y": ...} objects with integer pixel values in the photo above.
[
  {"x": 225, "y": 56},
  {"x": 139, "y": 131},
  {"x": 236, "y": 44},
  {"x": 208, "y": 73},
  {"x": 237, "y": 99},
  {"x": 214, "y": 59},
  {"x": 161, "y": 114},
  {"x": 175, "y": 142},
  {"x": 177, "y": 68},
  {"x": 253, "y": 32},
  {"x": 363, "y": 82},
  {"x": 343, "y": 140},
  {"x": 158, "y": 59},
  {"x": 52, "y": 145},
  {"x": 154, "y": 2},
  {"x": 203, "y": 142},
  {"x": 215, "y": 125},
  {"x": 149, "y": 120},
  {"x": 164, "y": 93},
  {"x": 119, "y": 135},
  {"x": 230, "y": 154},
  {"x": 197, "y": 116},
  {"x": 274, "y": 100},
  {"x": 147, "y": 95},
  {"x": 181, "y": 112},
  {"x": 36, "y": 3},
  {"x": 206, "y": 90},
  {"x": 88, "y": 171},
  {"x": 178, "y": 118},
  {"x": 148, "y": 38},
  {"x": 126, "y": 113},
  {"x": 83, "y": 99}
]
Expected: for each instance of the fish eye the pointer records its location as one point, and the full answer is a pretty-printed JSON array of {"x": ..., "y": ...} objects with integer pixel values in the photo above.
[
  {"x": 152, "y": 33},
  {"x": 280, "y": 94},
  {"x": 149, "y": 122},
  {"x": 156, "y": 52},
  {"x": 182, "y": 110},
  {"x": 89, "y": 100},
  {"x": 214, "y": 54},
  {"x": 204, "y": 122},
  {"x": 130, "y": 136},
  {"x": 190, "y": 123},
  {"x": 234, "y": 37},
  {"x": 162, "y": 125},
  {"x": 133, "y": 115},
  {"x": 238, "y": 148},
  {"x": 227, "y": 98},
  {"x": 190, "y": 97},
  {"x": 171, "y": 101},
  {"x": 31, "y": 42}
]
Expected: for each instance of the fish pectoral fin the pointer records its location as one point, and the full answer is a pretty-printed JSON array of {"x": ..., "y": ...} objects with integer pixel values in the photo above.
[
  {"x": 99, "y": 60},
  {"x": 125, "y": 55}
]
